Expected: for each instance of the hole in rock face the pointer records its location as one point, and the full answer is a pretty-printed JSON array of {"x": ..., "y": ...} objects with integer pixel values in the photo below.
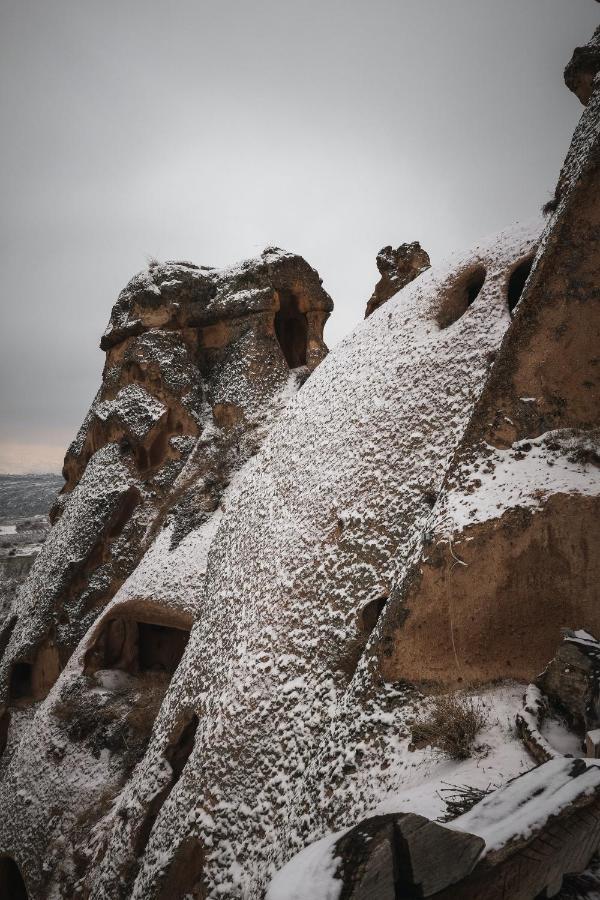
[
  {"x": 123, "y": 513},
  {"x": 160, "y": 647},
  {"x": 12, "y": 886},
  {"x": 460, "y": 296},
  {"x": 184, "y": 876},
  {"x": 137, "y": 647},
  {"x": 179, "y": 752},
  {"x": 369, "y": 614},
  {"x": 516, "y": 282},
  {"x": 21, "y": 681},
  {"x": 158, "y": 449},
  {"x": 4, "y": 726},
  {"x": 291, "y": 329}
]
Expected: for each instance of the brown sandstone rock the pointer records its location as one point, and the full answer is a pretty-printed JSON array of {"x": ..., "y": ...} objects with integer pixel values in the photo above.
[
  {"x": 583, "y": 68},
  {"x": 397, "y": 269},
  {"x": 198, "y": 363},
  {"x": 572, "y": 679},
  {"x": 512, "y": 560}
]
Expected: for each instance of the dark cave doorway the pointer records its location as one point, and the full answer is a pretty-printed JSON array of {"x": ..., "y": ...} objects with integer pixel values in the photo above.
[
  {"x": 291, "y": 329},
  {"x": 516, "y": 282},
  {"x": 12, "y": 886}
]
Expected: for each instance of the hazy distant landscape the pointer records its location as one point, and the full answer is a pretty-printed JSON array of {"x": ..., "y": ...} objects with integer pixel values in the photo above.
[{"x": 27, "y": 495}]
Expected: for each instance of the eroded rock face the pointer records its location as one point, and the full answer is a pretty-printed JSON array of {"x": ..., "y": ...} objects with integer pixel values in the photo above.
[
  {"x": 511, "y": 557},
  {"x": 198, "y": 364},
  {"x": 397, "y": 269},
  {"x": 583, "y": 68},
  {"x": 572, "y": 680},
  {"x": 296, "y": 578}
]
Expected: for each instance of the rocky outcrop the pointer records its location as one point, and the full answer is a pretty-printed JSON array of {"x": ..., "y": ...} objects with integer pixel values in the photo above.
[
  {"x": 198, "y": 364},
  {"x": 583, "y": 68},
  {"x": 510, "y": 556},
  {"x": 572, "y": 680},
  {"x": 296, "y": 579},
  {"x": 281, "y": 580},
  {"x": 397, "y": 269},
  {"x": 254, "y": 610},
  {"x": 518, "y": 842}
]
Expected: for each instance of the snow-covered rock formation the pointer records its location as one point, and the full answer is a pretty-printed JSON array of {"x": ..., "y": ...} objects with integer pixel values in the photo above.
[{"x": 239, "y": 602}]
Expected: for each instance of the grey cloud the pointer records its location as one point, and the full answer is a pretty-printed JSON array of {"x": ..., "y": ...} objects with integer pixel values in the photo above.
[{"x": 205, "y": 130}]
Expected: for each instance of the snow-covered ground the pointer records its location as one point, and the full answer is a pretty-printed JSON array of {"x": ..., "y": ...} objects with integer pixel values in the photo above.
[{"x": 498, "y": 758}]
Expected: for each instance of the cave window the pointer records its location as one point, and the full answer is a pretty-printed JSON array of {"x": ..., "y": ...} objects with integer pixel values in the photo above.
[
  {"x": 4, "y": 727},
  {"x": 291, "y": 329},
  {"x": 137, "y": 647},
  {"x": 12, "y": 886},
  {"x": 160, "y": 647},
  {"x": 369, "y": 614},
  {"x": 516, "y": 282},
  {"x": 179, "y": 752},
  {"x": 21, "y": 681},
  {"x": 461, "y": 296}
]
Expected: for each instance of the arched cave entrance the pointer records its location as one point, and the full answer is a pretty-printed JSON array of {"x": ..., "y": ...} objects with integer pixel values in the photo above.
[
  {"x": 137, "y": 647},
  {"x": 460, "y": 296},
  {"x": 21, "y": 682},
  {"x": 12, "y": 886},
  {"x": 516, "y": 282},
  {"x": 369, "y": 614},
  {"x": 291, "y": 329}
]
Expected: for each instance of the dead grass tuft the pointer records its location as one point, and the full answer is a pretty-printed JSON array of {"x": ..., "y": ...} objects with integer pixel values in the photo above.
[{"x": 451, "y": 724}]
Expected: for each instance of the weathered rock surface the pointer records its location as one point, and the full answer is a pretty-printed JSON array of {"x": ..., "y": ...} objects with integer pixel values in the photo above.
[
  {"x": 518, "y": 843},
  {"x": 199, "y": 365},
  {"x": 511, "y": 554},
  {"x": 296, "y": 577},
  {"x": 397, "y": 269},
  {"x": 583, "y": 68},
  {"x": 572, "y": 679},
  {"x": 250, "y": 608}
]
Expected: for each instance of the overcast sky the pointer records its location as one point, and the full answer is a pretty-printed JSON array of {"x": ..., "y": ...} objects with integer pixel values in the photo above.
[{"x": 207, "y": 129}]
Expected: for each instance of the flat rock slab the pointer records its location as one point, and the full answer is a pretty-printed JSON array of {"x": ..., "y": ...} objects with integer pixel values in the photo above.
[
  {"x": 403, "y": 855},
  {"x": 516, "y": 844}
]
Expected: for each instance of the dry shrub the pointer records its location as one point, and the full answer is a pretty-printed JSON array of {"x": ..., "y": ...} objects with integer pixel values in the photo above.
[
  {"x": 460, "y": 798},
  {"x": 451, "y": 724}
]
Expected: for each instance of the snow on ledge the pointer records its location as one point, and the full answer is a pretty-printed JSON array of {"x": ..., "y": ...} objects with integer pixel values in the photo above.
[{"x": 524, "y": 475}]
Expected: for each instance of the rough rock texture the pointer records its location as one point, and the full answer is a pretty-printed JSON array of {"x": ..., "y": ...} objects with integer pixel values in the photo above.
[
  {"x": 245, "y": 689},
  {"x": 572, "y": 679},
  {"x": 296, "y": 576},
  {"x": 583, "y": 68},
  {"x": 511, "y": 556},
  {"x": 199, "y": 363},
  {"x": 397, "y": 269}
]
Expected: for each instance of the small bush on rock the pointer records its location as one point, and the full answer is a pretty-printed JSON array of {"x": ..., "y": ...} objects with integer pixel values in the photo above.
[{"x": 451, "y": 724}]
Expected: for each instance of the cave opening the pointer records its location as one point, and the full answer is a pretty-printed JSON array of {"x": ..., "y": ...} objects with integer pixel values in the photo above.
[
  {"x": 21, "y": 681},
  {"x": 160, "y": 647},
  {"x": 461, "y": 296},
  {"x": 4, "y": 727},
  {"x": 137, "y": 647},
  {"x": 177, "y": 753},
  {"x": 291, "y": 329},
  {"x": 516, "y": 282},
  {"x": 369, "y": 614},
  {"x": 12, "y": 886}
]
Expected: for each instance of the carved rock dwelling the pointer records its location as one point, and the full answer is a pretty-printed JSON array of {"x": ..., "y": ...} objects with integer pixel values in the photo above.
[{"x": 249, "y": 588}]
